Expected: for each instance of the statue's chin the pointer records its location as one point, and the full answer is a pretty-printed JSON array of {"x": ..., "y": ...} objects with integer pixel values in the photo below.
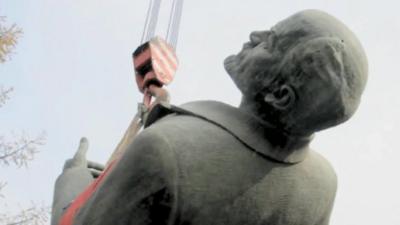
[{"x": 230, "y": 64}]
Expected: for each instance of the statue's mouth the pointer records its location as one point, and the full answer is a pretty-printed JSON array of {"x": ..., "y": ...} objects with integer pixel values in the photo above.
[{"x": 247, "y": 45}]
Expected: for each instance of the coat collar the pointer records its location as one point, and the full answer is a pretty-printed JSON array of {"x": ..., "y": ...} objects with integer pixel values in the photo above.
[{"x": 258, "y": 137}]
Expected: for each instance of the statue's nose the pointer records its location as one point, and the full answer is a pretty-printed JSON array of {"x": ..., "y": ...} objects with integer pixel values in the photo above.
[{"x": 257, "y": 37}]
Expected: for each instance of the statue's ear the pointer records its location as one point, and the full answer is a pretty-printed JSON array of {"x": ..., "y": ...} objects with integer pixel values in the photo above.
[{"x": 282, "y": 98}]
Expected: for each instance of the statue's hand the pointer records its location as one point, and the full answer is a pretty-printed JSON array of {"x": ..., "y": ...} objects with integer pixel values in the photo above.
[
  {"x": 95, "y": 168},
  {"x": 79, "y": 160}
]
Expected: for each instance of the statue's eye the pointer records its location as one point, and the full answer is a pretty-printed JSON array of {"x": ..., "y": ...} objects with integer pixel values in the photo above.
[{"x": 265, "y": 45}]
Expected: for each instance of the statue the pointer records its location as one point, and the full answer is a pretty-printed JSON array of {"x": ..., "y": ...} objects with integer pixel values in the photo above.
[{"x": 210, "y": 163}]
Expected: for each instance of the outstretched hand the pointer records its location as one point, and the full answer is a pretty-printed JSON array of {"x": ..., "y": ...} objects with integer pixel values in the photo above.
[{"x": 79, "y": 160}]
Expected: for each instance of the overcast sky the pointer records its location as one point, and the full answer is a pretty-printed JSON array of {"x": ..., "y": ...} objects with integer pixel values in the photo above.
[{"x": 73, "y": 77}]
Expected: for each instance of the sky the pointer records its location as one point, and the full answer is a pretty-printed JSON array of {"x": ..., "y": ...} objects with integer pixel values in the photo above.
[{"x": 73, "y": 76}]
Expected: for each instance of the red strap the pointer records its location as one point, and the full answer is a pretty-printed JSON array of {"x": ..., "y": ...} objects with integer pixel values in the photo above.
[{"x": 69, "y": 215}]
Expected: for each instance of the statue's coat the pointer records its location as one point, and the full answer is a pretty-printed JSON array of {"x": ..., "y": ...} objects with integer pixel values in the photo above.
[{"x": 215, "y": 166}]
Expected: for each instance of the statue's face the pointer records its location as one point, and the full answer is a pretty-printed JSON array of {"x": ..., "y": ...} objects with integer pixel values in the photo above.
[
  {"x": 262, "y": 57},
  {"x": 308, "y": 72},
  {"x": 256, "y": 57}
]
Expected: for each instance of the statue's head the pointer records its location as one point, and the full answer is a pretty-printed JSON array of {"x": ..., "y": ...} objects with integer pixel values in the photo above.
[{"x": 305, "y": 74}]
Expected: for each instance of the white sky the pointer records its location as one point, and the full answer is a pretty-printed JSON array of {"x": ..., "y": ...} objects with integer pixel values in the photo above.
[{"x": 73, "y": 77}]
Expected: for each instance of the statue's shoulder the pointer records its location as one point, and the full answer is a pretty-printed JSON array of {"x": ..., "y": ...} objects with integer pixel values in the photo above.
[
  {"x": 323, "y": 171},
  {"x": 204, "y": 119},
  {"x": 194, "y": 121},
  {"x": 186, "y": 129}
]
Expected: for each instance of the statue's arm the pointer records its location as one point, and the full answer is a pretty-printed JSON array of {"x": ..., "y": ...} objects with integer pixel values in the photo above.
[
  {"x": 329, "y": 193},
  {"x": 77, "y": 174},
  {"x": 141, "y": 189},
  {"x": 326, "y": 217}
]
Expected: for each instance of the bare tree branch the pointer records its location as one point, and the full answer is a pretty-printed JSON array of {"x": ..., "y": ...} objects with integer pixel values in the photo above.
[
  {"x": 8, "y": 39},
  {"x": 4, "y": 94},
  {"x": 2, "y": 185},
  {"x": 34, "y": 215},
  {"x": 20, "y": 151}
]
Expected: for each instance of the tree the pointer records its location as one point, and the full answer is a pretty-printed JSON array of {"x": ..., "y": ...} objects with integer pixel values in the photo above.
[
  {"x": 19, "y": 152},
  {"x": 8, "y": 39},
  {"x": 22, "y": 149}
]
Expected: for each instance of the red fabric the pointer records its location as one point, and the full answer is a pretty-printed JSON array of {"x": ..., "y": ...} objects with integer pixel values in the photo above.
[{"x": 69, "y": 216}]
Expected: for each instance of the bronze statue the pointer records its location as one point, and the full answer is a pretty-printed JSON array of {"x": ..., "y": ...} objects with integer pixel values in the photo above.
[{"x": 209, "y": 163}]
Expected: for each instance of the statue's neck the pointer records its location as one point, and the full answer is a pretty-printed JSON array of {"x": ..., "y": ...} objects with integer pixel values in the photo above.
[
  {"x": 277, "y": 135},
  {"x": 254, "y": 109}
]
